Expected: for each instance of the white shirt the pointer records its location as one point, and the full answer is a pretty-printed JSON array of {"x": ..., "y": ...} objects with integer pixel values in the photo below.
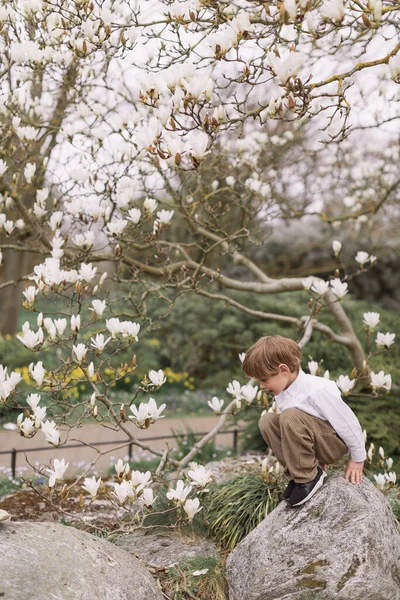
[{"x": 321, "y": 398}]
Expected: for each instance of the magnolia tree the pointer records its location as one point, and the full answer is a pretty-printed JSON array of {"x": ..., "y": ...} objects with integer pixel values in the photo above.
[{"x": 112, "y": 111}]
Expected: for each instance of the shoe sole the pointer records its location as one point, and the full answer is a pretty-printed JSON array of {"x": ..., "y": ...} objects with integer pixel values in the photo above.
[{"x": 319, "y": 484}]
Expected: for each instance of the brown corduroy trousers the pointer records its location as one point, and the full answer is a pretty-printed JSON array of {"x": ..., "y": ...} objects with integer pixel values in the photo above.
[{"x": 300, "y": 441}]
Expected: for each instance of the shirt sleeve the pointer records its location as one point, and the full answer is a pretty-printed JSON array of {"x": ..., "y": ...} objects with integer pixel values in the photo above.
[{"x": 329, "y": 402}]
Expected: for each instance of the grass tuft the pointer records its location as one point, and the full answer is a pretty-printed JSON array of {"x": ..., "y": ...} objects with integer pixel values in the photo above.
[
  {"x": 182, "y": 584},
  {"x": 235, "y": 508}
]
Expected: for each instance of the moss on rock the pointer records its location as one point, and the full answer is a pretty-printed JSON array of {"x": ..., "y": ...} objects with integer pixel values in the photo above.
[{"x": 351, "y": 571}]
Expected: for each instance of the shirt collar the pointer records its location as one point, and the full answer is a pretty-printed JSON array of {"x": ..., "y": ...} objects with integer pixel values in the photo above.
[{"x": 295, "y": 387}]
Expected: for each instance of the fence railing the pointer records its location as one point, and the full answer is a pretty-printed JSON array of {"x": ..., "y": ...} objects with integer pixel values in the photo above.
[{"x": 14, "y": 452}]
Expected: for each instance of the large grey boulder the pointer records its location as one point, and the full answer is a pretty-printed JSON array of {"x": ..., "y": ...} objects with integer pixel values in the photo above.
[
  {"x": 160, "y": 548},
  {"x": 343, "y": 544},
  {"x": 43, "y": 561}
]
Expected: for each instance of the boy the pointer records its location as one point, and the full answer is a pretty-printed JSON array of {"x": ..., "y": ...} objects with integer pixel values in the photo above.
[{"x": 313, "y": 424}]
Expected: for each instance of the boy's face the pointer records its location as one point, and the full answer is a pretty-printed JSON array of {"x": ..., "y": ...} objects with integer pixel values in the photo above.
[{"x": 279, "y": 382}]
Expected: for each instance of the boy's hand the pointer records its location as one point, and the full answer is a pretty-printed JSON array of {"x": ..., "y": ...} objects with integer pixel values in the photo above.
[{"x": 354, "y": 471}]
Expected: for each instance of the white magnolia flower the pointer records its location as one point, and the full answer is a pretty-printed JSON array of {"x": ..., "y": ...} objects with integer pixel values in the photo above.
[
  {"x": 381, "y": 380},
  {"x": 385, "y": 339},
  {"x": 140, "y": 479},
  {"x": 380, "y": 480},
  {"x": 60, "y": 325},
  {"x": 5, "y": 390},
  {"x": 13, "y": 379},
  {"x": 165, "y": 216},
  {"x": 216, "y": 405},
  {"x": 287, "y": 66},
  {"x": 200, "y": 476},
  {"x": 381, "y": 452},
  {"x": 30, "y": 339},
  {"x": 157, "y": 378},
  {"x": 198, "y": 145},
  {"x": 192, "y": 507},
  {"x": 75, "y": 322},
  {"x": 30, "y": 293},
  {"x": 58, "y": 472},
  {"x": 333, "y": 9},
  {"x": 235, "y": 389},
  {"x": 345, "y": 384},
  {"x": 129, "y": 329},
  {"x": 134, "y": 215},
  {"x": 50, "y": 328},
  {"x": 80, "y": 351},
  {"x": 99, "y": 307},
  {"x": 33, "y": 400},
  {"x": 114, "y": 326},
  {"x": 37, "y": 372},
  {"x": 391, "y": 477},
  {"x": 339, "y": 288},
  {"x": 155, "y": 411},
  {"x": 389, "y": 461},
  {"x": 248, "y": 392},
  {"x": 56, "y": 220},
  {"x": 147, "y": 497},
  {"x": 29, "y": 172},
  {"x": 147, "y": 413},
  {"x": 371, "y": 452},
  {"x": 313, "y": 367},
  {"x": 242, "y": 356},
  {"x": 123, "y": 491},
  {"x": 90, "y": 370},
  {"x": 87, "y": 272},
  {"x": 180, "y": 493},
  {"x": 84, "y": 240},
  {"x": 364, "y": 434},
  {"x": 140, "y": 415},
  {"x": 326, "y": 374},
  {"x": 290, "y": 7},
  {"x": 362, "y": 258},
  {"x": 27, "y": 427},
  {"x": 99, "y": 343},
  {"x": 3, "y": 167},
  {"x": 337, "y": 246},
  {"x": 91, "y": 485},
  {"x": 371, "y": 319},
  {"x": 51, "y": 432},
  {"x": 9, "y": 227},
  {"x": 40, "y": 415},
  {"x": 150, "y": 205},
  {"x": 116, "y": 226},
  {"x": 320, "y": 287},
  {"x": 121, "y": 467}
]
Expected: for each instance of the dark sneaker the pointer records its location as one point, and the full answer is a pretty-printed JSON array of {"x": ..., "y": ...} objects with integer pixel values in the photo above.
[
  {"x": 304, "y": 491},
  {"x": 289, "y": 489}
]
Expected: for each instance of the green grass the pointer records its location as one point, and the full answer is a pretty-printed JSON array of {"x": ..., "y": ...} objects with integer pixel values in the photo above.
[
  {"x": 235, "y": 508},
  {"x": 180, "y": 582}
]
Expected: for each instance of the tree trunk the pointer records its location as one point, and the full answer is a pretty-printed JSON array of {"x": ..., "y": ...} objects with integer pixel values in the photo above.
[{"x": 16, "y": 265}]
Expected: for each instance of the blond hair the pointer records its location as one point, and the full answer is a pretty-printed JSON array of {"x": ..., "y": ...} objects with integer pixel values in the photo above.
[{"x": 264, "y": 357}]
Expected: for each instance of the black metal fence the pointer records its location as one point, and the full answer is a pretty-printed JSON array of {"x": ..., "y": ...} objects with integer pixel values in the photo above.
[{"x": 14, "y": 452}]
